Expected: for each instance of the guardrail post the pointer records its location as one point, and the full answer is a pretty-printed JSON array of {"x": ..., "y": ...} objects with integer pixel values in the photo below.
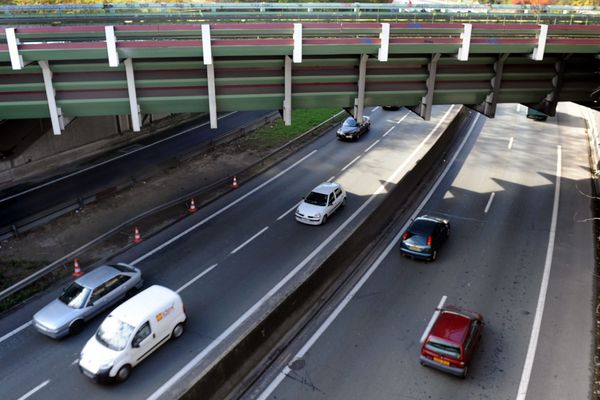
[
  {"x": 58, "y": 123},
  {"x": 463, "y": 51},
  {"x": 111, "y": 46},
  {"x": 538, "y": 52},
  {"x": 297, "y": 43},
  {"x": 382, "y": 55},
  {"x": 287, "y": 95}
]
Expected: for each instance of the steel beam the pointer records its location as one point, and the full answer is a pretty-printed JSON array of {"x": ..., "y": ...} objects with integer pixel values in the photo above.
[
  {"x": 463, "y": 51},
  {"x": 424, "y": 108},
  {"x": 133, "y": 103},
  {"x": 538, "y": 52},
  {"x": 359, "y": 102},
  {"x": 111, "y": 46},
  {"x": 210, "y": 75},
  {"x": 382, "y": 55},
  {"x": 488, "y": 106},
  {"x": 287, "y": 95},
  {"x": 297, "y": 43},
  {"x": 16, "y": 59},
  {"x": 56, "y": 117}
]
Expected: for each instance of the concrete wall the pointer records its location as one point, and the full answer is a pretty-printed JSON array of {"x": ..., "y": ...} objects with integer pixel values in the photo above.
[{"x": 82, "y": 138}]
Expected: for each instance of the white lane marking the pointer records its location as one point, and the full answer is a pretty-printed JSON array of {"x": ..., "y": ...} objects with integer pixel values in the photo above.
[
  {"x": 220, "y": 211},
  {"x": 489, "y": 203},
  {"x": 433, "y": 319},
  {"x": 200, "y": 275},
  {"x": 510, "y": 143},
  {"x": 282, "y": 216},
  {"x": 107, "y": 161},
  {"x": 375, "y": 109},
  {"x": 331, "y": 179},
  {"x": 373, "y": 145},
  {"x": 15, "y": 331},
  {"x": 350, "y": 163},
  {"x": 75, "y": 361},
  {"x": 249, "y": 240},
  {"x": 194, "y": 361},
  {"x": 35, "y": 389},
  {"x": 281, "y": 376},
  {"x": 537, "y": 321},
  {"x": 392, "y": 128}
]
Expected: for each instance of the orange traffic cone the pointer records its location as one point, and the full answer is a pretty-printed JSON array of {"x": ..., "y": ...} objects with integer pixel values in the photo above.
[
  {"x": 136, "y": 235},
  {"x": 76, "y": 270},
  {"x": 192, "y": 208},
  {"x": 234, "y": 184}
]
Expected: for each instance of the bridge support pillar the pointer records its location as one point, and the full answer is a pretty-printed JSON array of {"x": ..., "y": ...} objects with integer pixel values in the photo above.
[
  {"x": 423, "y": 109},
  {"x": 287, "y": 95},
  {"x": 488, "y": 106},
  {"x": 359, "y": 102},
  {"x": 56, "y": 117}
]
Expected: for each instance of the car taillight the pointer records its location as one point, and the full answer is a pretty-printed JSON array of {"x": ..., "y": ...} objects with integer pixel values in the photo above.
[
  {"x": 405, "y": 236},
  {"x": 429, "y": 240}
]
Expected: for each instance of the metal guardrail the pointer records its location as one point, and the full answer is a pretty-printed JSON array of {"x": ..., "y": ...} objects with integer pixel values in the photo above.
[{"x": 248, "y": 172}]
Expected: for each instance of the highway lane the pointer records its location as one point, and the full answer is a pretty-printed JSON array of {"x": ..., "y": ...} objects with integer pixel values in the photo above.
[
  {"x": 494, "y": 262},
  {"x": 107, "y": 172},
  {"x": 240, "y": 279}
]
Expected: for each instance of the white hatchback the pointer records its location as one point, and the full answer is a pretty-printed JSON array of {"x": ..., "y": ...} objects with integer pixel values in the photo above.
[{"x": 321, "y": 203}]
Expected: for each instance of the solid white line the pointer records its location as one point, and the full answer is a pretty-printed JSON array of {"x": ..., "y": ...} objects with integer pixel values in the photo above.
[
  {"x": 510, "y": 143},
  {"x": 15, "y": 331},
  {"x": 32, "y": 391},
  {"x": 249, "y": 240},
  {"x": 107, "y": 161},
  {"x": 406, "y": 115},
  {"x": 220, "y": 211},
  {"x": 489, "y": 203},
  {"x": 433, "y": 319},
  {"x": 392, "y": 128},
  {"x": 267, "y": 392},
  {"x": 331, "y": 179},
  {"x": 375, "y": 109},
  {"x": 200, "y": 275},
  {"x": 282, "y": 216},
  {"x": 537, "y": 321},
  {"x": 373, "y": 145},
  {"x": 350, "y": 163},
  {"x": 269, "y": 295}
]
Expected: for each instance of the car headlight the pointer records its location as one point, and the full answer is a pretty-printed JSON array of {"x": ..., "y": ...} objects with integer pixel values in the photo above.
[
  {"x": 318, "y": 215},
  {"x": 105, "y": 365}
]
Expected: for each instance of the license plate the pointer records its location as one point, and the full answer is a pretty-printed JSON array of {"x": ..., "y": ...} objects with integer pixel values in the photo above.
[
  {"x": 439, "y": 360},
  {"x": 414, "y": 248},
  {"x": 87, "y": 373}
]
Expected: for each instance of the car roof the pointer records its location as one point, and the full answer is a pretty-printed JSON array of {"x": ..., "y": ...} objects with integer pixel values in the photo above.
[
  {"x": 98, "y": 275},
  {"x": 145, "y": 304},
  {"x": 451, "y": 325},
  {"x": 326, "y": 187}
]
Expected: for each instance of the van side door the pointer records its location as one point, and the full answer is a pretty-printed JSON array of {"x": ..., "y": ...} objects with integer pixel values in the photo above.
[{"x": 143, "y": 343}]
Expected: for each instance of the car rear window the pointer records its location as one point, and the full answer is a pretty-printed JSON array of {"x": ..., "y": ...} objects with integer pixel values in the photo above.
[
  {"x": 421, "y": 227},
  {"x": 443, "y": 347}
]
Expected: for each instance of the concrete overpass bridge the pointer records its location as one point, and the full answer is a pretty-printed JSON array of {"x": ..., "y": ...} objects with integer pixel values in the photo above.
[{"x": 124, "y": 62}]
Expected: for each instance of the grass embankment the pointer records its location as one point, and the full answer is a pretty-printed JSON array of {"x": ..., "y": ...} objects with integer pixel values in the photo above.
[{"x": 276, "y": 133}]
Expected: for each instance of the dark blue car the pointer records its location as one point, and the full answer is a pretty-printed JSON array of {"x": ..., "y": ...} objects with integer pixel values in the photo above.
[{"x": 424, "y": 237}]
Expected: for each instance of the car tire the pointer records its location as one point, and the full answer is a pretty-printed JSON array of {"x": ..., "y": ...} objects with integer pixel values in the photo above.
[
  {"x": 324, "y": 220},
  {"x": 344, "y": 202},
  {"x": 123, "y": 373},
  {"x": 177, "y": 331},
  {"x": 76, "y": 327},
  {"x": 465, "y": 372}
]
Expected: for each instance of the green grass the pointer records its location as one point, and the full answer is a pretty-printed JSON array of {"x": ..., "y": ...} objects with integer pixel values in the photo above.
[{"x": 276, "y": 133}]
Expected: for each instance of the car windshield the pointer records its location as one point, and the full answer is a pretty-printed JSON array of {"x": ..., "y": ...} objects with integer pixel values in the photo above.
[
  {"x": 318, "y": 199},
  {"x": 443, "y": 347},
  {"x": 114, "y": 333},
  {"x": 75, "y": 295},
  {"x": 351, "y": 122}
]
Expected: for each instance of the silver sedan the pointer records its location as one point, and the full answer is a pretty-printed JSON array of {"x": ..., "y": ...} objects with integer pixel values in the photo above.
[{"x": 86, "y": 297}]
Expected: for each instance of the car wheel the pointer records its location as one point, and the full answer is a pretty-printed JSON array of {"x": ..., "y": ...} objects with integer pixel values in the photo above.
[
  {"x": 177, "y": 331},
  {"x": 465, "y": 372},
  {"x": 76, "y": 327},
  {"x": 123, "y": 373},
  {"x": 434, "y": 255},
  {"x": 324, "y": 220},
  {"x": 344, "y": 202}
]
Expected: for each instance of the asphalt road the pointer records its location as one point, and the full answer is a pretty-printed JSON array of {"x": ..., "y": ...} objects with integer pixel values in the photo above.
[
  {"x": 501, "y": 252},
  {"x": 225, "y": 259},
  {"x": 30, "y": 198}
]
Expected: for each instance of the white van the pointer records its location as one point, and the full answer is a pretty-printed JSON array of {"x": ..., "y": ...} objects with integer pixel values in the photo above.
[{"x": 131, "y": 332}]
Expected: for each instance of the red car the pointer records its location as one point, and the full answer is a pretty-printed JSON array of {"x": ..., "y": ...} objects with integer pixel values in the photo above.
[{"x": 450, "y": 344}]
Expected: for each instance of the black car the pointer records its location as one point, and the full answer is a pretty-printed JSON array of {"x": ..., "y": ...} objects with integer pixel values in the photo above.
[
  {"x": 424, "y": 237},
  {"x": 352, "y": 130}
]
